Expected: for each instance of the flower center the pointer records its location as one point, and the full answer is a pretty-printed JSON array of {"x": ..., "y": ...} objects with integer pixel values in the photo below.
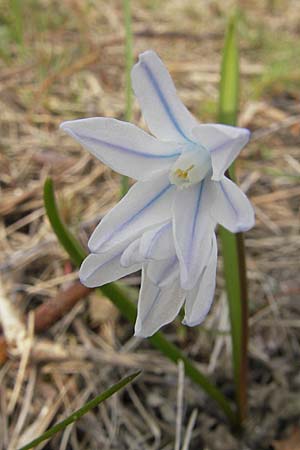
[{"x": 191, "y": 167}]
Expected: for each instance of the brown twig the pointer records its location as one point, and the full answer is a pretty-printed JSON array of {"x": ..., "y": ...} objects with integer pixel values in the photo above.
[
  {"x": 51, "y": 311},
  {"x": 54, "y": 309},
  {"x": 3, "y": 350}
]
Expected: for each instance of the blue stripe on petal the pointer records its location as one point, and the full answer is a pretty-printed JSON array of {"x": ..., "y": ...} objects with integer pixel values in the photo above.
[
  {"x": 229, "y": 200},
  {"x": 165, "y": 272},
  {"x": 163, "y": 100},
  {"x": 222, "y": 146},
  {"x": 149, "y": 310},
  {"x": 196, "y": 213},
  {"x": 155, "y": 237},
  {"x": 133, "y": 217},
  {"x": 92, "y": 140},
  {"x": 240, "y": 227},
  {"x": 98, "y": 267}
]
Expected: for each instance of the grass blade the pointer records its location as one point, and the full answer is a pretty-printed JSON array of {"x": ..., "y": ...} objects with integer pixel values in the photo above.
[
  {"x": 229, "y": 84},
  {"x": 232, "y": 244},
  {"x": 65, "y": 237},
  {"x": 16, "y": 21},
  {"x": 81, "y": 412}
]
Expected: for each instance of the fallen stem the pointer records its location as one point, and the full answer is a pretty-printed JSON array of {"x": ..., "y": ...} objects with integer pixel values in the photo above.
[
  {"x": 55, "y": 308},
  {"x": 50, "y": 312}
]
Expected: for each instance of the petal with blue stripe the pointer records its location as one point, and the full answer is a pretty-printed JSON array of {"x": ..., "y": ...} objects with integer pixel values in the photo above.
[
  {"x": 193, "y": 227},
  {"x": 158, "y": 243},
  {"x": 146, "y": 204},
  {"x": 224, "y": 144},
  {"x": 231, "y": 207},
  {"x": 122, "y": 146},
  {"x": 157, "y": 306},
  {"x": 163, "y": 272},
  {"x": 131, "y": 254},
  {"x": 199, "y": 300},
  {"x": 99, "y": 269},
  {"x": 166, "y": 116}
]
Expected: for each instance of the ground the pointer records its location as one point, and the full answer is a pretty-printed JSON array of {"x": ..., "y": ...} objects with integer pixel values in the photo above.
[{"x": 65, "y": 60}]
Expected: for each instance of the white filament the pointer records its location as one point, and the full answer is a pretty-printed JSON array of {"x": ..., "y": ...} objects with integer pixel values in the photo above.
[{"x": 191, "y": 167}]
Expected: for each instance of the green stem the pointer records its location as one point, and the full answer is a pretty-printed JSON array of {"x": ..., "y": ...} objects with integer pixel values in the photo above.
[
  {"x": 233, "y": 244},
  {"x": 119, "y": 295},
  {"x": 175, "y": 355},
  {"x": 236, "y": 286},
  {"x": 243, "y": 384},
  {"x": 128, "y": 66}
]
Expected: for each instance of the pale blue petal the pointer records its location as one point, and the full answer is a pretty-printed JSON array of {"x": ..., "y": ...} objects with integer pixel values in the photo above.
[
  {"x": 166, "y": 116},
  {"x": 224, "y": 143},
  {"x": 147, "y": 203},
  {"x": 158, "y": 243},
  {"x": 122, "y": 146},
  {"x": 199, "y": 299},
  {"x": 163, "y": 272},
  {"x": 131, "y": 254},
  {"x": 231, "y": 207},
  {"x": 99, "y": 269},
  {"x": 193, "y": 227},
  {"x": 157, "y": 306}
]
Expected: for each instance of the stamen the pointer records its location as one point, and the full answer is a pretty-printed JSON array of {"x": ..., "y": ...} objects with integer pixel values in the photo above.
[
  {"x": 183, "y": 173},
  {"x": 191, "y": 167}
]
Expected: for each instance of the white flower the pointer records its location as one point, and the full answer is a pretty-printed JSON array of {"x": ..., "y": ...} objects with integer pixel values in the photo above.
[{"x": 165, "y": 224}]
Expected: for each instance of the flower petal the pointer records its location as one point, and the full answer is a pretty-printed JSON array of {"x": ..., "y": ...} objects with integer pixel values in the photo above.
[
  {"x": 122, "y": 146},
  {"x": 231, "y": 208},
  {"x": 199, "y": 299},
  {"x": 165, "y": 114},
  {"x": 158, "y": 243},
  {"x": 157, "y": 306},
  {"x": 146, "y": 204},
  {"x": 99, "y": 269},
  {"x": 224, "y": 143},
  {"x": 131, "y": 254},
  {"x": 192, "y": 229},
  {"x": 164, "y": 272}
]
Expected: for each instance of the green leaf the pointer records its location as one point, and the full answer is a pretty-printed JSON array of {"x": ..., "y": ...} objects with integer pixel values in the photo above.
[
  {"x": 232, "y": 244},
  {"x": 16, "y": 21},
  {"x": 65, "y": 237},
  {"x": 229, "y": 84},
  {"x": 82, "y": 411}
]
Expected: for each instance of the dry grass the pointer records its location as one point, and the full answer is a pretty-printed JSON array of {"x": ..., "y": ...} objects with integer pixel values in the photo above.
[{"x": 64, "y": 60}]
